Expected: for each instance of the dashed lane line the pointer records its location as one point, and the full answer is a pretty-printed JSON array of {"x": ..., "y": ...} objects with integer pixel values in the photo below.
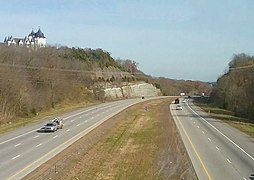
[
  {"x": 38, "y": 145},
  {"x": 194, "y": 149},
  {"x": 17, "y": 145},
  {"x": 229, "y": 161},
  {"x": 246, "y": 153},
  {"x": 16, "y": 157},
  {"x": 16, "y": 137},
  {"x": 217, "y": 148}
]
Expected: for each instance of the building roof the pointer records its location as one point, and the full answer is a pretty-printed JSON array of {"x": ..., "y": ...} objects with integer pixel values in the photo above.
[
  {"x": 39, "y": 34},
  {"x": 32, "y": 33}
]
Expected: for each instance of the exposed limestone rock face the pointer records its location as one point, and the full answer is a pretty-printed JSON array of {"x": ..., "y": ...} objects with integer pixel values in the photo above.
[{"x": 132, "y": 90}]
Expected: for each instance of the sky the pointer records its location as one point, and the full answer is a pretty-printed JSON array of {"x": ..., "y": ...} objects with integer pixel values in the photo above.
[{"x": 176, "y": 39}]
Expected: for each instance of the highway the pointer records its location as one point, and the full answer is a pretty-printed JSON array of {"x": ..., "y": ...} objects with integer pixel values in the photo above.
[
  {"x": 217, "y": 150},
  {"x": 25, "y": 149}
]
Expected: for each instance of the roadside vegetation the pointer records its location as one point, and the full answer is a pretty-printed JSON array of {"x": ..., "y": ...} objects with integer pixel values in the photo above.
[
  {"x": 232, "y": 98},
  {"x": 234, "y": 89},
  {"x": 243, "y": 124}
]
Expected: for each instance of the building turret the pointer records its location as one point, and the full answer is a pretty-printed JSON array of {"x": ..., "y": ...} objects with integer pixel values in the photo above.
[{"x": 40, "y": 39}]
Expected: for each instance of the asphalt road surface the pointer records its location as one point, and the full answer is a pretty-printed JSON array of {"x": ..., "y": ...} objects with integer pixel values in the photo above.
[
  {"x": 217, "y": 150},
  {"x": 25, "y": 149}
]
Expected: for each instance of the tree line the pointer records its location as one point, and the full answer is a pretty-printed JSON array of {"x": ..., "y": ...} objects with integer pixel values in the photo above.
[{"x": 234, "y": 89}]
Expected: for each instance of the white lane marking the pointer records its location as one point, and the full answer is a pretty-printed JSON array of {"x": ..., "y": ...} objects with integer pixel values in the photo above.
[
  {"x": 80, "y": 117},
  {"x": 68, "y": 130},
  {"x": 92, "y": 117},
  {"x": 72, "y": 120},
  {"x": 16, "y": 137},
  {"x": 190, "y": 118},
  {"x": 55, "y": 136},
  {"x": 194, "y": 122},
  {"x": 217, "y": 148},
  {"x": 228, "y": 160},
  {"x": 223, "y": 135},
  {"x": 36, "y": 136},
  {"x": 17, "y": 145},
  {"x": 78, "y": 125},
  {"x": 198, "y": 126},
  {"x": 29, "y": 132},
  {"x": 203, "y": 132},
  {"x": 15, "y": 157},
  {"x": 38, "y": 145},
  {"x": 209, "y": 139},
  {"x": 244, "y": 178}
]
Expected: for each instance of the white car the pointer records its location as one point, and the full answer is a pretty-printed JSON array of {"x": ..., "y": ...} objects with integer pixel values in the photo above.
[
  {"x": 49, "y": 127},
  {"x": 179, "y": 107}
]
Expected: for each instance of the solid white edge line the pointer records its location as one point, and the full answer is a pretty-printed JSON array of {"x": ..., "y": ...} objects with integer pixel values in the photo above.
[
  {"x": 16, "y": 137},
  {"x": 222, "y": 134}
]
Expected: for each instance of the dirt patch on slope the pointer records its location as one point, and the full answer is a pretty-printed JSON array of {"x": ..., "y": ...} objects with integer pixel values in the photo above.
[{"x": 135, "y": 144}]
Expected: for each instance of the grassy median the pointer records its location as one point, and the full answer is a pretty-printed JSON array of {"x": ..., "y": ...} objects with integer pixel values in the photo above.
[{"x": 142, "y": 142}]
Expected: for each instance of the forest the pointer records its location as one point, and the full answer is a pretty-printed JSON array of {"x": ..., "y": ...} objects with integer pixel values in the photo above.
[
  {"x": 33, "y": 81},
  {"x": 235, "y": 89}
]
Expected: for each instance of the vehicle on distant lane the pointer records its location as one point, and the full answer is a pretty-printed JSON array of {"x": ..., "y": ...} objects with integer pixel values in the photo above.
[{"x": 179, "y": 107}]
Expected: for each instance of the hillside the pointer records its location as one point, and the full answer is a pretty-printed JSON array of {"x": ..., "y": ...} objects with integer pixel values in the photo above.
[
  {"x": 34, "y": 81},
  {"x": 234, "y": 89}
]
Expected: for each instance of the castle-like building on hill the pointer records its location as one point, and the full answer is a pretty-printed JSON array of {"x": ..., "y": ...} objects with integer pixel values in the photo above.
[{"x": 33, "y": 39}]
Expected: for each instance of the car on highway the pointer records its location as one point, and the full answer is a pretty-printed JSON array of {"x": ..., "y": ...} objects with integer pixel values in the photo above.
[
  {"x": 49, "y": 127},
  {"x": 59, "y": 122},
  {"x": 179, "y": 107}
]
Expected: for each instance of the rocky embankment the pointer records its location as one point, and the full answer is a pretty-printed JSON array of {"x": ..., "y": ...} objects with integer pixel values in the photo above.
[{"x": 141, "y": 89}]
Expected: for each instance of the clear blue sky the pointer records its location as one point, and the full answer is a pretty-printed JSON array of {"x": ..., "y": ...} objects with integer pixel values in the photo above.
[{"x": 178, "y": 39}]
